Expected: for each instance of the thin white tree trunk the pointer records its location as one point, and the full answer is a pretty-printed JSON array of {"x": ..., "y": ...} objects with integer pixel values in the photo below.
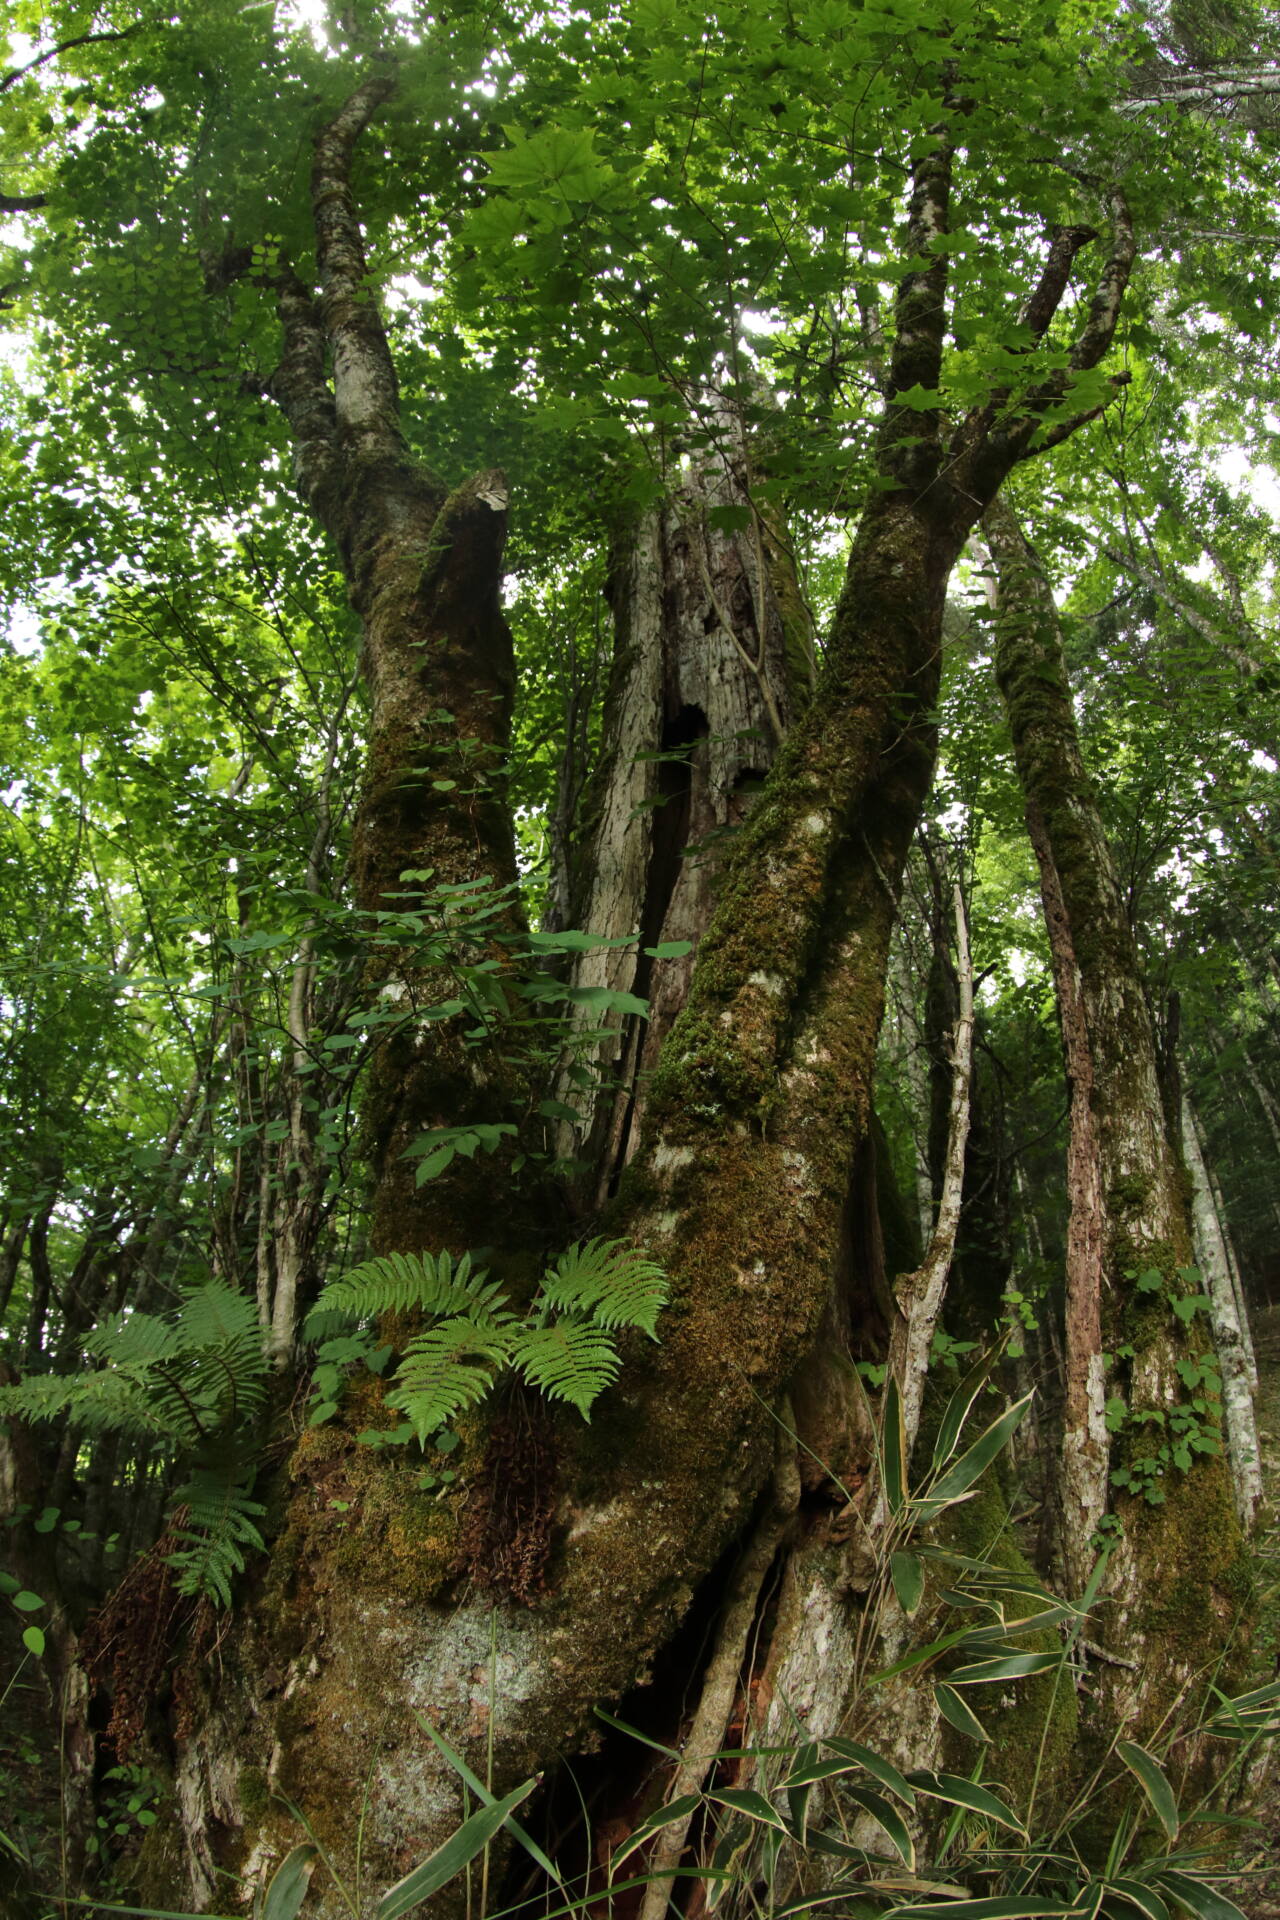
[
  {"x": 720, "y": 1688},
  {"x": 916, "y": 1069},
  {"x": 1233, "y": 1264},
  {"x": 1230, "y": 1336},
  {"x": 920, "y": 1294}
]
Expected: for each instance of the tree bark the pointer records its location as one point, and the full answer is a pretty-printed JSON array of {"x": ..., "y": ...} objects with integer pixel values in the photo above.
[
  {"x": 1180, "y": 1562},
  {"x": 919, "y": 1295},
  {"x": 712, "y": 655}
]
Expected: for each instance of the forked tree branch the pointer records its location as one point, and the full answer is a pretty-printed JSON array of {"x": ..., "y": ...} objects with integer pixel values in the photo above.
[{"x": 983, "y": 448}]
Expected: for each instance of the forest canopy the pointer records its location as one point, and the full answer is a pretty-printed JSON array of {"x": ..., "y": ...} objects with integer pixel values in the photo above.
[{"x": 639, "y": 1002}]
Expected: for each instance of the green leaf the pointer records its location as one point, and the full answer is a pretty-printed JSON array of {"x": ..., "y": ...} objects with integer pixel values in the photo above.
[
  {"x": 917, "y": 1657},
  {"x": 733, "y": 517},
  {"x": 572, "y": 1360},
  {"x": 875, "y": 1764},
  {"x": 617, "y": 1284},
  {"x": 906, "y": 1570},
  {"x": 554, "y": 160},
  {"x": 33, "y": 1641},
  {"x": 958, "y": 1408},
  {"x": 1013, "y": 1666},
  {"x": 1197, "y": 1897},
  {"x": 754, "y": 1805},
  {"x": 955, "y": 1710},
  {"x": 27, "y": 1602},
  {"x": 1145, "y": 1768},
  {"x": 886, "y": 1815},
  {"x": 450, "y": 1366},
  {"x": 1146, "y": 1900},
  {"x": 958, "y": 1792},
  {"x": 998, "y": 1907},
  {"x": 288, "y": 1885},
  {"x": 608, "y": 1000},
  {"x": 477, "y": 1786},
  {"x": 665, "y": 1816},
  {"x": 987, "y": 1447},
  {"x": 448, "y": 1860},
  {"x": 670, "y": 950}
]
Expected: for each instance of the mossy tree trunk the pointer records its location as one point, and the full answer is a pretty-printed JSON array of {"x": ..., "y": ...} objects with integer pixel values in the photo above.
[
  {"x": 1177, "y": 1575},
  {"x": 757, "y": 1109}
]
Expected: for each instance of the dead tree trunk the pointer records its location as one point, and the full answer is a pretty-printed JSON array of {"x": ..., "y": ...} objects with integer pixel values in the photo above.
[{"x": 712, "y": 661}]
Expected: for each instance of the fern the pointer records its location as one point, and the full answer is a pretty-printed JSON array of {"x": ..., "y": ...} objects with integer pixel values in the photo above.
[
  {"x": 449, "y": 1367},
  {"x": 400, "y": 1283},
  {"x": 220, "y": 1521},
  {"x": 563, "y": 1346},
  {"x": 616, "y": 1284},
  {"x": 198, "y": 1380},
  {"x": 104, "y": 1402},
  {"x": 571, "y": 1360},
  {"x": 133, "y": 1340}
]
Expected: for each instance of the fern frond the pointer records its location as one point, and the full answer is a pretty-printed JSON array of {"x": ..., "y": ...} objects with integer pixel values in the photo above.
[
  {"x": 617, "y": 1284},
  {"x": 218, "y": 1316},
  {"x": 133, "y": 1340},
  {"x": 203, "y": 1367},
  {"x": 220, "y": 1524},
  {"x": 400, "y": 1282},
  {"x": 99, "y": 1402},
  {"x": 571, "y": 1360},
  {"x": 450, "y": 1366}
]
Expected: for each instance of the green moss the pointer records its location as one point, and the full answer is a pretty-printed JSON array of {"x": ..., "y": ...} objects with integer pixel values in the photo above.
[
  {"x": 254, "y": 1792},
  {"x": 359, "y": 1516},
  {"x": 1198, "y": 1583},
  {"x": 1127, "y": 1196},
  {"x": 157, "y": 1874}
]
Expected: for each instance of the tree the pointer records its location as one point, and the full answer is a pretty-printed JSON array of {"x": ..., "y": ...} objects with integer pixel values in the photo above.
[{"x": 741, "y": 1164}]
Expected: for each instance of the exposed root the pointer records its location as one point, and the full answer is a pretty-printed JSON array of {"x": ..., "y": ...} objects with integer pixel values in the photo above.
[{"x": 720, "y": 1688}]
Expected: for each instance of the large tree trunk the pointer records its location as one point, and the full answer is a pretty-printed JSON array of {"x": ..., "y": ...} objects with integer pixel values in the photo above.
[
  {"x": 1129, "y": 1235},
  {"x": 373, "y": 1608}
]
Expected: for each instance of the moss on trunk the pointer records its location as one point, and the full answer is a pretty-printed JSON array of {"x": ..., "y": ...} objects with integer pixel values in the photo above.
[{"x": 1179, "y": 1582}]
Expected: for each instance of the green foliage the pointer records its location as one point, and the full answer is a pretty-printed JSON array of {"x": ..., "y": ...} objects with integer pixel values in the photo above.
[
  {"x": 1158, "y": 1438},
  {"x": 197, "y": 1380},
  {"x": 616, "y": 1285},
  {"x": 1106, "y": 1858},
  {"x": 563, "y": 1344}
]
